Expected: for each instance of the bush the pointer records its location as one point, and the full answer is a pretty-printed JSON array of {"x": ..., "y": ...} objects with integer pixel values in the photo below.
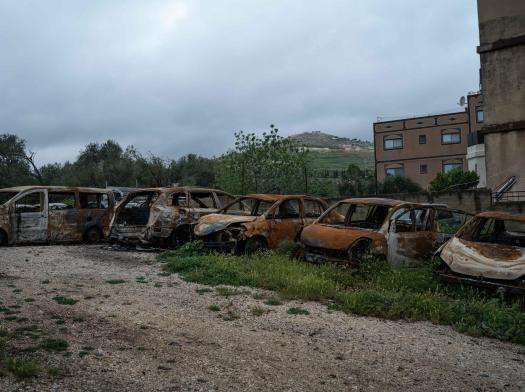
[
  {"x": 374, "y": 289},
  {"x": 398, "y": 184},
  {"x": 454, "y": 180}
]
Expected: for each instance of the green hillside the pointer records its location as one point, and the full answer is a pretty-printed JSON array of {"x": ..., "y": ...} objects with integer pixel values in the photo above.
[{"x": 339, "y": 160}]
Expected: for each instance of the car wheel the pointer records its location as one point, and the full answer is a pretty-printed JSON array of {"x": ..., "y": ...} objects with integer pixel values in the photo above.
[
  {"x": 93, "y": 235},
  {"x": 254, "y": 245},
  {"x": 359, "y": 252}
]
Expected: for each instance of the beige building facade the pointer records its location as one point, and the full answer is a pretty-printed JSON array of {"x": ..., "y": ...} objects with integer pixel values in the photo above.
[
  {"x": 502, "y": 55},
  {"x": 421, "y": 147}
]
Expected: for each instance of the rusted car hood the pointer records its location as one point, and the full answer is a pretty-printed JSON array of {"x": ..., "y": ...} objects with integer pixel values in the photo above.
[
  {"x": 332, "y": 237},
  {"x": 215, "y": 222},
  {"x": 493, "y": 261}
]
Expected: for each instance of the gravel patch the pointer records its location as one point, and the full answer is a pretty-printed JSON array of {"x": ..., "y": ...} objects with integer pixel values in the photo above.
[{"x": 133, "y": 329}]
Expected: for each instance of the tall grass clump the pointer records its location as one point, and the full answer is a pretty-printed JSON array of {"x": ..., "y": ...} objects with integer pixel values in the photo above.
[{"x": 374, "y": 289}]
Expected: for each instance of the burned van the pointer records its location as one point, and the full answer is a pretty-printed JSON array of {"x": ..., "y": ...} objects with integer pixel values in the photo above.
[
  {"x": 489, "y": 252},
  {"x": 259, "y": 221},
  {"x": 164, "y": 216},
  {"x": 403, "y": 233},
  {"x": 52, "y": 214}
]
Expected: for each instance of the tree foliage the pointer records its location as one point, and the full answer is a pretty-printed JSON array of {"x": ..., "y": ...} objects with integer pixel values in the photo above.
[
  {"x": 397, "y": 184},
  {"x": 268, "y": 163},
  {"x": 358, "y": 182},
  {"x": 456, "y": 179}
]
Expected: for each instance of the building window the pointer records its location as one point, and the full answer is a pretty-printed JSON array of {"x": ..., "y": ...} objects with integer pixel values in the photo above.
[
  {"x": 395, "y": 171},
  {"x": 479, "y": 115},
  {"x": 451, "y": 136},
  {"x": 423, "y": 169},
  {"x": 422, "y": 139},
  {"x": 393, "y": 142},
  {"x": 452, "y": 165}
]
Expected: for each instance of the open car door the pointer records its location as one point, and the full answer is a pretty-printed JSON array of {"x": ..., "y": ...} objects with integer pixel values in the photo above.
[{"x": 411, "y": 236}]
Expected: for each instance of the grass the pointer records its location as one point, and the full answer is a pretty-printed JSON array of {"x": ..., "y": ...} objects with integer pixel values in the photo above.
[
  {"x": 228, "y": 291},
  {"x": 22, "y": 368},
  {"x": 374, "y": 289},
  {"x": 202, "y": 290},
  {"x": 296, "y": 311},
  {"x": 214, "y": 308},
  {"x": 115, "y": 281},
  {"x": 273, "y": 301},
  {"x": 55, "y": 345},
  {"x": 65, "y": 300},
  {"x": 258, "y": 310},
  {"x": 141, "y": 279}
]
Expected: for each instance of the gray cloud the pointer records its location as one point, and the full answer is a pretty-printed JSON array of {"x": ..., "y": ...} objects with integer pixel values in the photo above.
[{"x": 179, "y": 76}]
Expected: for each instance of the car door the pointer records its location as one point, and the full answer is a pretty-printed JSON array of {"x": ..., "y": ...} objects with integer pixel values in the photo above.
[
  {"x": 448, "y": 222},
  {"x": 411, "y": 236},
  {"x": 285, "y": 223},
  {"x": 30, "y": 217},
  {"x": 64, "y": 217}
]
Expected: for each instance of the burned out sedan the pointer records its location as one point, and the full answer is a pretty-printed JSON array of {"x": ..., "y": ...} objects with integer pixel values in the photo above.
[
  {"x": 258, "y": 221},
  {"x": 164, "y": 216},
  {"x": 403, "y": 233},
  {"x": 489, "y": 251}
]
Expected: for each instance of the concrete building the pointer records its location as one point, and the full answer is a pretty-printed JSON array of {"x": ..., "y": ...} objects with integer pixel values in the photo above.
[
  {"x": 502, "y": 55},
  {"x": 475, "y": 145},
  {"x": 421, "y": 147}
]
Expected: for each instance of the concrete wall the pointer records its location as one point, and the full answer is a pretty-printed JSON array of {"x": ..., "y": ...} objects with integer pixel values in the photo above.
[
  {"x": 470, "y": 200},
  {"x": 476, "y": 163}
]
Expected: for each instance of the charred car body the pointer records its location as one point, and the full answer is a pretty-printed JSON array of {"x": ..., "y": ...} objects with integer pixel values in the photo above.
[
  {"x": 258, "y": 221},
  {"x": 40, "y": 214},
  {"x": 164, "y": 216},
  {"x": 489, "y": 251},
  {"x": 403, "y": 233}
]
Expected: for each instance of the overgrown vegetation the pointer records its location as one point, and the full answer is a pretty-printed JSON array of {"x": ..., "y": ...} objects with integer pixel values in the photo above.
[
  {"x": 374, "y": 289},
  {"x": 456, "y": 179}
]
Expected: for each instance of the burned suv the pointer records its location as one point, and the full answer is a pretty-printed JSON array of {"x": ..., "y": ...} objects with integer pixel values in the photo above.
[
  {"x": 489, "y": 251},
  {"x": 403, "y": 233},
  {"x": 44, "y": 214},
  {"x": 164, "y": 216},
  {"x": 259, "y": 221}
]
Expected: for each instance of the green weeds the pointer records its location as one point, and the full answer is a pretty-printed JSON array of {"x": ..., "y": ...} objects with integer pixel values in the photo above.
[
  {"x": 374, "y": 289},
  {"x": 64, "y": 300}
]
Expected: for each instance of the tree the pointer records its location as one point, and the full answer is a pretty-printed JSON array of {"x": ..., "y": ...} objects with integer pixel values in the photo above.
[
  {"x": 268, "y": 163},
  {"x": 397, "y": 184},
  {"x": 17, "y": 164},
  {"x": 454, "y": 180},
  {"x": 357, "y": 182}
]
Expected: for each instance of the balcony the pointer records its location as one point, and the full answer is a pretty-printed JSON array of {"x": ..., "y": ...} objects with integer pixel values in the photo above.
[{"x": 475, "y": 138}]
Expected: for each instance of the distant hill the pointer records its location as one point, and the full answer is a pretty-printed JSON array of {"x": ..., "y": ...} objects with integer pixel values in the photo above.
[{"x": 324, "y": 141}]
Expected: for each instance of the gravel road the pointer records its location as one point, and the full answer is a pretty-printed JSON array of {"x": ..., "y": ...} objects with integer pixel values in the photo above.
[{"x": 157, "y": 333}]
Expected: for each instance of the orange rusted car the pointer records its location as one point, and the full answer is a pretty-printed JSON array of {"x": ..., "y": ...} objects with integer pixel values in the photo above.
[
  {"x": 258, "y": 221},
  {"x": 40, "y": 214},
  {"x": 164, "y": 216},
  {"x": 403, "y": 233},
  {"x": 489, "y": 251}
]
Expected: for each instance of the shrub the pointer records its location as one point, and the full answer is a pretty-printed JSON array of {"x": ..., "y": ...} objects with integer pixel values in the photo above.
[
  {"x": 22, "y": 368},
  {"x": 298, "y": 311},
  {"x": 64, "y": 300},
  {"x": 454, "y": 180},
  {"x": 55, "y": 345}
]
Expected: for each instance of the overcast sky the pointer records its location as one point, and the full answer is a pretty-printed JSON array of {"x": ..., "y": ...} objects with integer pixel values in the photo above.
[{"x": 179, "y": 76}]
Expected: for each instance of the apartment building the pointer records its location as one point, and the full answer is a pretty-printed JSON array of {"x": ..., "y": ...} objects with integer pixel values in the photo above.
[{"x": 421, "y": 147}]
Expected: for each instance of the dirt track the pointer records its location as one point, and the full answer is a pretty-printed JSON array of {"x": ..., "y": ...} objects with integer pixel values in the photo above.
[{"x": 160, "y": 335}]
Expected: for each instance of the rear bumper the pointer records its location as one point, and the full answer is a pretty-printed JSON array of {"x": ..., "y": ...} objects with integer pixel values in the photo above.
[{"x": 507, "y": 287}]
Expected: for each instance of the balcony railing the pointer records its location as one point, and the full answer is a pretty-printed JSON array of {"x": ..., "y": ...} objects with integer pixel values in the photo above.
[{"x": 511, "y": 196}]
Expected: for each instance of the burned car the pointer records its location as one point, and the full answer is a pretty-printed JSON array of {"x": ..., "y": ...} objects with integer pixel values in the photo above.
[
  {"x": 403, "y": 233},
  {"x": 40, "y": 214},
  {"x": 164, "y": 216},
  {"x": 258, "y": 221},
  {"x": 489, "y": 252}
]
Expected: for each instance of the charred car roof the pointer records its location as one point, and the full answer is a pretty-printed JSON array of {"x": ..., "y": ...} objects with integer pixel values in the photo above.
[
  {"x": 375, "y": 200},
  {"x": 501, "y": 215},
  {"x": 276, "y": 197},
  {"x": 177, "y": 189},
  {"x": 56, "y": 189}
]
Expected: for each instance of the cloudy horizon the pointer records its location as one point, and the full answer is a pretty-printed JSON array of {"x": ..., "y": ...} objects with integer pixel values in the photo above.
[{"x": 178, "y": 76}]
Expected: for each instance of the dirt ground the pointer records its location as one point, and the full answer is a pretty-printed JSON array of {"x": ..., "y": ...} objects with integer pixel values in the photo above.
[{"x": 156, "y": 333}]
